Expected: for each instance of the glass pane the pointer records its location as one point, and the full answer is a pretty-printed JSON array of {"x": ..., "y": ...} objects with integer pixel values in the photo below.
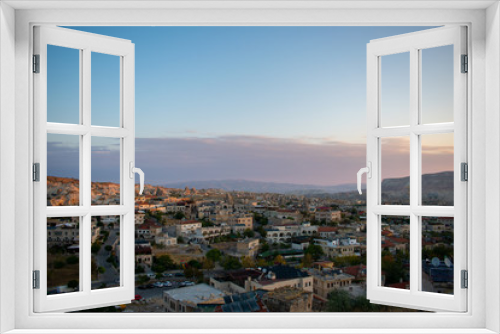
[
  {"x": 437, "y": 254},
  {"x": 437, "y": 169},
  {"x": 105, "y": 90},
  {"x": 395, "y": 90},
  {"x": 63, "y": 258},
  {"x": 395, "y": 167},
  {"x": 105, "y": 171},
  {"x": 63, "y": 85},
  {"x": 395, "y": 236},
  {"x": 105, "y": 252},
  {"x": 437, "y": 84},
  {"x": 63, "y": 170}
]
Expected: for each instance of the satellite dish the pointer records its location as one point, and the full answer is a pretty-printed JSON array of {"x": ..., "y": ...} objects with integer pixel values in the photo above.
[
  {"x": 447, "y": 262},
  {"x": 435, "y": 262}
]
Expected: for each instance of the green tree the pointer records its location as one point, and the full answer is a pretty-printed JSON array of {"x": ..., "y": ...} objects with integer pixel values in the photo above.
[
  {"x": 247, "y": 262},
  {"x": 249, "y": 233},
  {"x": 179, "y": 215},
  {"x": 96, "y": 247},
  {"x": 101, "y": 270},
  {"x": 307, "y": 261},
  {"x": 214, "y": 254},
  {"x": 162, "y": 263},
  {"x": 72, "y": 259},
  {"x": 195, "y": 264},
  {"x": 339, "y": 301},
  {"x": 315, "y": 250},
  {"x": 261, "y": 231},
  {"x": 208, "y": 264},
  {"x": 230, "y": 262},
  {"x": 180, "y": 240},
  {"x": 265, "y": 247},
  {"x": 108, "y": 248},
  {"x": 279, "y": 260},
  {"x": 142, "y": 279}
]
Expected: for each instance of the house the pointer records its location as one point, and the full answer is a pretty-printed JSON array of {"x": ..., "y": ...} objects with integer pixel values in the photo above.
[
  {"x": 279, "y": 276},
  {"x": 327, "y": 214},
  {"x": 326, "y": 280},
  {"x": 143, "y": 255},
  {"x": 288, "y": 299},
  {"x": 165, "y": 240},
  {"x": 147, "y": 230},
  {"x": 191, "y": 298},
  {"x": 187, "y": 228},
  {"x": 327, "y": 232}
]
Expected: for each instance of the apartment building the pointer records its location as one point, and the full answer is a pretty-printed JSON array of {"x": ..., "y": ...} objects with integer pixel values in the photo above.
[{"x": 327, "y": 280}]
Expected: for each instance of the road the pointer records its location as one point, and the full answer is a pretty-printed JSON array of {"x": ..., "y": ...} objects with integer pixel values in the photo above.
[{"x": 111, "y": 273}]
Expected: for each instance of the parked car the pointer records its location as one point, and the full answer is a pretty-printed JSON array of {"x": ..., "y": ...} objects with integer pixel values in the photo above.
[
  {"x": 158, "y": 284},
  {"x": 167, "y": 275},
  {"x": 138, "y": 297},
  {"x": 151, "y": 275},
  {"x": 188, "y": 283},
  {"x": 179, "y": 274},
  {"x": 167, "y": 284}
]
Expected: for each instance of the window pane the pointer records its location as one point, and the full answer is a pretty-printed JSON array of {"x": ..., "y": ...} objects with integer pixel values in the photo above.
[
  {"x": 63, "y": 85},
  {"x": 437, "y": 169},
  {"x": 105, "y": 171},
  {"x": 105, "y": 90},
  {"x": 395, "y": 90},
  {"x": 63, "y": 170},
  {"x": 395, "y": 236},
  {"x": 63, "y": 258},
  {"x": 437, "y": 254},
  {"x": 105, "y": 252},
  {"x": 395, "y": 168},
  {"x": 437, "y": 84}
]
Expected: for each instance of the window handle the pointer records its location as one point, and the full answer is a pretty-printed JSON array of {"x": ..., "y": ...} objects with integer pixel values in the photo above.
[
  {"x": 368, "y": 171},
  {"x": 139, "y": 171}
]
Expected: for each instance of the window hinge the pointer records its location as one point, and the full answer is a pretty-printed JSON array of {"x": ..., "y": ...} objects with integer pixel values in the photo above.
[
  {"x": 36, "y": 63},
  {"x": 36, "y": 279},
  {"x": 464, "y": 170},
  {"x": 36, "y": 172},
  {"x": 465, "y": 64},
  {"x": 465, "y": 279}
]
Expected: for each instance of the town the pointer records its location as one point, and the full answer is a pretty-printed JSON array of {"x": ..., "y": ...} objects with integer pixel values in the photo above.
[{"x": 211, "y": 250}]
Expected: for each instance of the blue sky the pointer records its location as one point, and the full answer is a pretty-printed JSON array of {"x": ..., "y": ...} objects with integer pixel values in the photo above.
[{"x": 247, "y": 102}]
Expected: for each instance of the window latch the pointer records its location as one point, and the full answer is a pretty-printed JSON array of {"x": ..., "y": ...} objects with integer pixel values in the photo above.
[{"x": 368, "y": 171}]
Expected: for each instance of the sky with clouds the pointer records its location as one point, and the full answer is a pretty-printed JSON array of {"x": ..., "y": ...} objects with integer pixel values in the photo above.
[{"x": 277, "y": 104}]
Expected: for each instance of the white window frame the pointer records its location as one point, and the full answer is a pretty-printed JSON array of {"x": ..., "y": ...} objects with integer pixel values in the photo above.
[
  {"x": 483, "y": 21},
  {"x": 86, "y": 44},
  {"x": 414, "y": 43}
]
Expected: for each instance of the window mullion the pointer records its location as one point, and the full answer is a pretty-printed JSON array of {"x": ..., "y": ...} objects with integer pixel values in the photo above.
[
  {"x": 414, "y": 169},
  {"x": 85, "y": 167}
]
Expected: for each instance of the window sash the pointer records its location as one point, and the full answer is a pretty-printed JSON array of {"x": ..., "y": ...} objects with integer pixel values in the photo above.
[
  {"x": 86, "y": 43},
  {"x": 413, "y": 43}
]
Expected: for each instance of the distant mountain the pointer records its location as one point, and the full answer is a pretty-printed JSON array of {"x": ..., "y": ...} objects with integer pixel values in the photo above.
[
  {"x": 263, "y": 187},
  {"x": 437, "y": 189}
]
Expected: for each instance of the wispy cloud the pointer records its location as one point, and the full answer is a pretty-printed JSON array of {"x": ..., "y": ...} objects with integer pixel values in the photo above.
[{"x": 321, "y": 161}]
